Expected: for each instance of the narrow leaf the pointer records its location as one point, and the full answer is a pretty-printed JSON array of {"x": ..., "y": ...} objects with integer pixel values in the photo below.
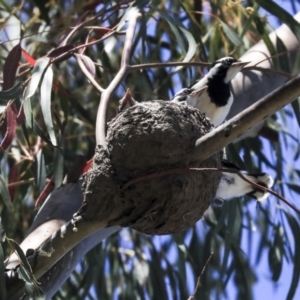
[
  {"x": 232, "y": 36},
  {"x": 5, "y": 193},
  {"x": 41, "y": 171},
  {"x": 59, "y": 167},
  {"x": 11, "y": 66},
  {"x": 60, "y": 50},
  {"x": 22, "y": 257},
  {"x": 10, "y": 125},
  {"x": 296, "y": 272},
  {"x": 46, "y": 88},
  {"x": 274, "y": 9},
  {"x": 2, "y": 279},
  {"x": 28, "y": 112},
  {"x": 296, "y": 108},
  {"x": 34, "y": 292},
  {"x": 23, "y": 274},
  {"x": 260, "y": 25},
  {"x": 12, "y": 93},
  {"x": 283, "y": 60},
  {"x": 37, "y": 73},
  {"x": 85, "y": 62},
  {"x": 192, "y": 46}
]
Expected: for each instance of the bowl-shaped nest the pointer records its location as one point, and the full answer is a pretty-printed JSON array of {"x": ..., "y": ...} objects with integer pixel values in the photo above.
[{"x": 146, "y": 139}]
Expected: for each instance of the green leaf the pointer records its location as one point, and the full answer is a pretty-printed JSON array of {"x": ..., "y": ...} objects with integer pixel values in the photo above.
[
  {"x": 23, "y": 274},
  {"x": 41, "y": 171},
  {"x": 12, "y": 93},
  {"x": 260, "y": 25},
  {"x": 232, "y": 36},
  {"x": 5, "y": 194},
  {"x": 296, "y": 108},
  {"x": 275, "y": 254},
  {"x": 296, "y": 272},
  {"x": 32, "y": 123},
  {"x": 192, "y": 46},
  {"x": 7, "y": 7},
  {"x": 23, "y": 260},
  {"x": 59, "y": 167},
  {"x": 2, "y": 279},
  {"x": 46, "y": 88},
  {"x": 28, "y": 112},
  {"x": 34, "y": 292},
  {"x": 86, "y": 62},
  {"x": 276, "y": 10},
  {"x": 37, "y": 73},
  {"x": 283, "y": 58}
]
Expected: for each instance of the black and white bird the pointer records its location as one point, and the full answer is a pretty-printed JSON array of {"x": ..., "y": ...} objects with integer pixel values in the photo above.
[
  {"x": 232, "y": 185},
  {"x": 211, "y": 94}
]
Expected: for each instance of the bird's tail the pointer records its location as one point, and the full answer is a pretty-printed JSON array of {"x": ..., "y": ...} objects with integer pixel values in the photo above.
[{"x": 232, "y": 185}]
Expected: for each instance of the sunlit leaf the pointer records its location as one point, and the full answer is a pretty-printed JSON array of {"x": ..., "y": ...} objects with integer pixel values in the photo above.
[
  {"x": 59, "y": 167},
  {"x": 37, "y": 73},
  {"x": 46, "y": 88},
  {"x": 232, "y": 36},
  {"x": 2, "y": 279},
  {"x": 40, "y": 171},
  {"x": 85, "y": 62},
  {"x": 11, "y": 93},
  {"x": 27, "y": 272}
]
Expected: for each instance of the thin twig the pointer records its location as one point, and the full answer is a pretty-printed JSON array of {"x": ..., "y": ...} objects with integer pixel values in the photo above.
[
  {"x": 195, "y": 170},
  {"x": 269, "y": 191},
  {"x": 199, "y": 278},
  {"x": 168, "y": 64},
  {"x": 270, "y": 71},
  {"x": 204, "y": 64},
  {"x": 21, "y": 182},
  {"x": 101, "y": 115},
  {"x": 172, "y": 172}
]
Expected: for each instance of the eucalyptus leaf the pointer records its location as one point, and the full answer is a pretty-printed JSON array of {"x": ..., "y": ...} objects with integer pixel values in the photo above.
[
  {"x": 2, "y": 279},
  {"x": 232, "y": 36},
  {"x": 12, "y": 93},
  {"x": 5, "y": 194},
  {"x": 46, "y": 88},
  {"x": 36, "y": 77}
]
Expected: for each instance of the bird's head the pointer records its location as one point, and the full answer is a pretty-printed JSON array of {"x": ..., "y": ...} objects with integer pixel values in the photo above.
[{"x": 226, "y": 67}]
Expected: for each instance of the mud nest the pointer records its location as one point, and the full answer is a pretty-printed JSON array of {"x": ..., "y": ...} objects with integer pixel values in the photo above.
[{"x": 148, "y": 138}]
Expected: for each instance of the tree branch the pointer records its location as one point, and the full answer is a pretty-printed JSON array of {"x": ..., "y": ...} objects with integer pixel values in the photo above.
[
  {"x": 61, "y": 242},
  {"x": 101, "y": 115},
  {"x": 223, "y": 135}
]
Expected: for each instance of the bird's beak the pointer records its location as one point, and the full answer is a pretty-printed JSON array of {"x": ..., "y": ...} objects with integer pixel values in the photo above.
[
  {"x": 198, "y": 93},
  {"x": 240, "y": 64}
]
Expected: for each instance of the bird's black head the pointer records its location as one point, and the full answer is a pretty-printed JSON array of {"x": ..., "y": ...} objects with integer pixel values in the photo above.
[
  {"x": 219, "y": 76},
  {"x": 221, "y": 68}
]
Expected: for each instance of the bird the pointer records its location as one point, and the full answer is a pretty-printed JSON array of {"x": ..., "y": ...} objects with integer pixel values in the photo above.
[
  {"x": 211, "y": 94},
  {"x": 232, "y": 185}
]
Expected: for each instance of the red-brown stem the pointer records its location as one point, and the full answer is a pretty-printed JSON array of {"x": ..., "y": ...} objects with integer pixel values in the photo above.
[{"x": 193, "y": 170}]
